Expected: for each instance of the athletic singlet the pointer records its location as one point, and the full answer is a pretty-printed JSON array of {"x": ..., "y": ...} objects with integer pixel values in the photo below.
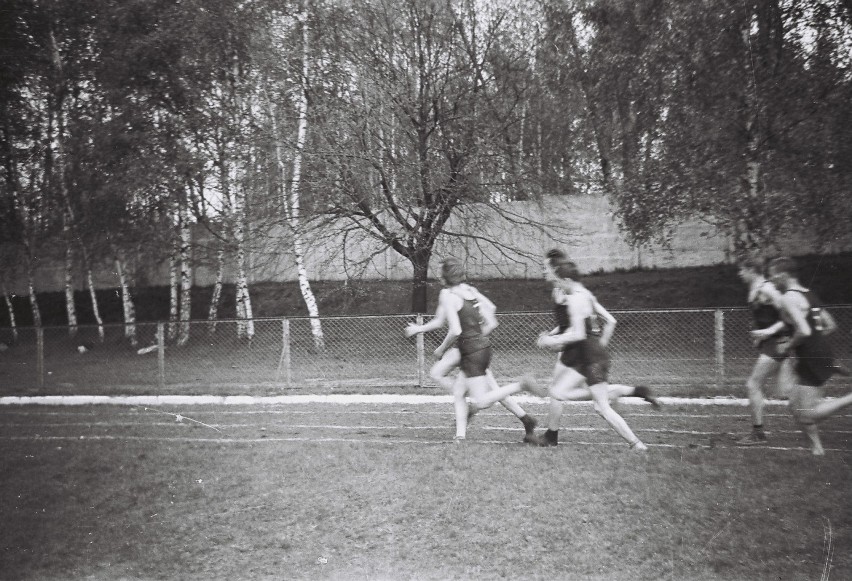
[
  {"x": 813, "y": 317},
  {"x": 471, "y": 338},
  {"x": 587, "y": 357},
  {"x": 764, "y": 313},
  {"x": 814, "y": 358},
  {"x": 563, "y": 314}
]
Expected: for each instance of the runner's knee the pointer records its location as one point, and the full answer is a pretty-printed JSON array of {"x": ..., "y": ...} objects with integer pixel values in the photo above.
[{"x": 601, "y": 406}]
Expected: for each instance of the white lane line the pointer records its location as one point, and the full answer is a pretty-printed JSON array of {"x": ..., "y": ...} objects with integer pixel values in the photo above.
[
  {"x": 9, "y": 411},
  {"x": 143, "y": 400},
  {"x": 589, "y": 429}
]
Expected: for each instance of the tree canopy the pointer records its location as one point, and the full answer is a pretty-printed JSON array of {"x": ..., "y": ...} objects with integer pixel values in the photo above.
[{"x": 116, "y": 117}]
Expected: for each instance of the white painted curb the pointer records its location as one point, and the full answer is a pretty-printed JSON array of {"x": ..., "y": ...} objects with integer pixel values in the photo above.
[{"x": 143, "y": 400}]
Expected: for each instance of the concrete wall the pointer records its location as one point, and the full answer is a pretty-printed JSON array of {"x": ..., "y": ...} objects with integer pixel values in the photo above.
[{"x": 583, "y": 226}]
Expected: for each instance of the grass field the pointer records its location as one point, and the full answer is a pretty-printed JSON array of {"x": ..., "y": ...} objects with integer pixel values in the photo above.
[{"x": 378, "y": 491}]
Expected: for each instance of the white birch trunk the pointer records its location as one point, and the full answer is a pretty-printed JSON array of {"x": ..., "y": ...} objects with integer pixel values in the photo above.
[
  {"x": 173, "y": 295},
  {"x": 127, "y": 304},
  {"x": 240, "y": 306},
  {"x": 12, "y": 324},
  {"x": 294, "y": 203},
  {"x": 752, "y": 234},
  {"x": 245, "y": 324},
  {"x": 185, "y": 278},
  {"x": 70, "y": 307},
  {"x": 95, "y": 309},
  {"x": 33, "y": 298},
  {"x": 67, "y": 211},
  {"x": 217, "y": 292},
  {"x": 540, "y": 161},
  {"x": 521, "y": 128}
]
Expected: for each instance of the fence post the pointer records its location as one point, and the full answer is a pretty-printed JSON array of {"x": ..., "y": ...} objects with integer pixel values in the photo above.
[
  {"x": 40, "y": 357},
  {"x": 421, "y": 354},
  {"x": 161, "y": 355},
  {"x": 285, "y": 353},
  {"x": 719, "y": 334}
]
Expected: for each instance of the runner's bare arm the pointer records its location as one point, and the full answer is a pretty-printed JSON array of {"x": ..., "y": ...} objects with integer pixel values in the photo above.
[
  {"x": 773, "y": 294},
  {"x": 448, "y": 304},
  {"x": 576, "y": 332},
  {"x": 609, "y": 322},
  {"x": 829, "y": 325},
  {"x": 794, "y": 305},
  {"x": 488, "y": 311},
  {"x": 438, "y": 321}
]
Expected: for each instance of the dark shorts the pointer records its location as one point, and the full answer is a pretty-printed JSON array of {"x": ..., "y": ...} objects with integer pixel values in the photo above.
[
  {"x": 589, "y": 359},
  {"x": 814, "y": 371},
  {"x": 814, "y": 362},
  {"x": 773, "y": 347},
  {"x": 572, "y": 356},
  {"x": 475, "y": 363}
]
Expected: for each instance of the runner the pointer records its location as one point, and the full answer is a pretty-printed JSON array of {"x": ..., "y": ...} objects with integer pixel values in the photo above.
[
  {"x": 451, "y": 357},
  {"x": 815, "y": 363},
  {"x": 770, "y": 336},
  {"x": 583, "y": 366}
]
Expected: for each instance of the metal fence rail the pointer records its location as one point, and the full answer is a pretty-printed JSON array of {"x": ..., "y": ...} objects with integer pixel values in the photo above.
[{"x": 697, "y": 351}]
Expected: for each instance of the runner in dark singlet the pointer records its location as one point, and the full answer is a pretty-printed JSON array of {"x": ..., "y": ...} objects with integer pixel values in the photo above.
[
  {"x": 451, "y": 359},
  {"x": 469, "y": 322},
  {"x": 581, "y": 373},
  {"x": 815, "y": 363},
  {"x": 474, "y": 346},
  {"x": 770, "y": 335}
]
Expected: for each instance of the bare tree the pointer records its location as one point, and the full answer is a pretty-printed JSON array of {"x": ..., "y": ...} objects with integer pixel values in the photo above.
[{"x": 414, "y": 126}]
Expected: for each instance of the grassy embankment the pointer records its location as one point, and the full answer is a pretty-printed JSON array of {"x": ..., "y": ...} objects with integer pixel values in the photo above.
[{"x": 696, "y": 287}]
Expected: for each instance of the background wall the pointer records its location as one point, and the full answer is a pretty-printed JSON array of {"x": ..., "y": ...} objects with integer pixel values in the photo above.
[{"x": 583, "y": 226}]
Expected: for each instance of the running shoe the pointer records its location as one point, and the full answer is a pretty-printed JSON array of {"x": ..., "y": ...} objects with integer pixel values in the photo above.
[
  {"x": 549, "y": 439},
  {"x": 638, "y": 446},
  {"x": 531, "y": 438},
  {"x": 644, "y": 392}
]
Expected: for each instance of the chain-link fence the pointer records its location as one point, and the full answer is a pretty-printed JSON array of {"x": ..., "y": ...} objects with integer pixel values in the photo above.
[{"x": 683, "y": 352}]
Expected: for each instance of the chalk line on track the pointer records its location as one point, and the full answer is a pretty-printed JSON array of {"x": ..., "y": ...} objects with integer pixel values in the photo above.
[
  {"x": 434, "y": 427},
  {"x": 389, "y": 398}
]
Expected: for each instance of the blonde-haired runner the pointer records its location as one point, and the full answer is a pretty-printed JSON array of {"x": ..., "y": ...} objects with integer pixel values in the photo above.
[{"x": 450, "y": 356}]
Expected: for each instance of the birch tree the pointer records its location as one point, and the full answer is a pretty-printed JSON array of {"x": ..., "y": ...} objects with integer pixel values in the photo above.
[
  {"x": 245, "y": 322},
  {"x": 27, "y": 223},
  {"x": 216, "y": 296},
  {"x": 128, "y": 308},
  {"x": 185, "y": 274},
  {"x": 28, "y": 214},
  {"x": 90, "y": 284},
  {"x": 291, "y": 190},
  {"x": 11, "y": 311},
  {"x": 174, "y": 297},
  {"x": 56, "y": 135}
]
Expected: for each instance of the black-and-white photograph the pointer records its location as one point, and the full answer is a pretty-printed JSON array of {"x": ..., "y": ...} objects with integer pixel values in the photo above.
[{"x": 426, "y": 290}]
